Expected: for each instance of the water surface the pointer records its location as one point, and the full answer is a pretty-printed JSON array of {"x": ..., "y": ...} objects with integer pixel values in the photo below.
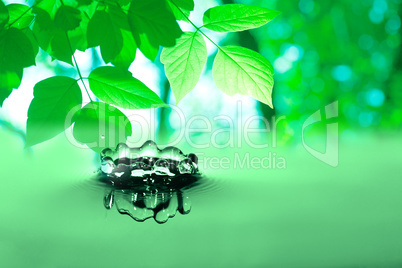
[{"x": 307, "y": 215}]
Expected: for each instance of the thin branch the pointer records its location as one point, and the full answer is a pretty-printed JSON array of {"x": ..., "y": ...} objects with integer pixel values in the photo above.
[
  {"x": 22, "y": 15},
  {"x": 78, "y": 69},
  {"x": 76, "y": 64},
  {"x": 192, "y": 23}
]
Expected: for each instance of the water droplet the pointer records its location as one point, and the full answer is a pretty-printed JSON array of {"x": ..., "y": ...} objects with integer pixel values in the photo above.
[
  {"x": 107, "y": 165},
  {"x": 107, "y": 153},
  {"x": 141, "y": 214},
  {"x": 162, "y": 216},
  {"x": 193, "y": 158},
  {"x": 108, "y": 200},
  {"x": 173, "y": 205},
  {"x": 185, "y": 166},
  {"x": 184, "y": 203},
  {"x": 172, "y": 153},
  {"x": 151, "y": 201}
]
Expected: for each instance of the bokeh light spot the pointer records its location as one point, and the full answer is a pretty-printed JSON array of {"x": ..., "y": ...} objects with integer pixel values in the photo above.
[
  {"x": 293, "y": 53},
  {"x": 379, "y": 61},
  {"x": 341, "y": 73},
  {"x": 380, "y": 6},
  {"x": 393, "y": 25},
  {"x": 375, "y": 97},
  {"x": 376, "y": 17},
  {"x": 280, "y": 30},
  {"x": 282, "y": 65},
  {"x": 306, "y": 6}
]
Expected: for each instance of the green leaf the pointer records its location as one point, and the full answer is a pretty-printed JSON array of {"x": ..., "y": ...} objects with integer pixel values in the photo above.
[
  {"x": 84, "y": 2},
  {"x": 120, "y": 3},
  {"x": 3, "y": 15},
  {"x": 123, "y": 2},
  {"x": 184, "y": 63},
  {"x": 28, "y": 32},
  {"x": 8, "y": 81},
  {"x": 43, "y": 35},
  {"x": 51, "y": 6},
  {"x": 185, "y": 7},
  {"x": 184, "y": 4},
  {"x": 67, "y": 18},
  {"x": 16, "y": 50},
  {"x": 241, "y": 70},
  {"x": 45, "y": 12},
  {"x": 100, "y": 125},
  {"x": 43, "y": 19},
  {"x": 116, "y": 86},
  {"x": 127, "y": 54},
  {"x": 104, "y": 29},
  {"x": 88, "y": 10},
  {"x": 78, "y": 36},
  {"x": 21, "y": 16},
  {"x": 60, "y": 47},
  {"x": 54, "y": 41},
  {"x": 237, "y": 17},
  {"x": 53, "y": 99},
  {"x": 176, "y": 12},
  {"x": 153, "y": 24},
  {"x": 149, "y": 50}
]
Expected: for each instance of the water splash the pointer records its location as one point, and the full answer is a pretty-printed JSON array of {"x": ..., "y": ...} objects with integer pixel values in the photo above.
[
  {"x": 147, "y": 182},
  {"x": 140, "y": 206},
  {"x": 147, "y": 164}
]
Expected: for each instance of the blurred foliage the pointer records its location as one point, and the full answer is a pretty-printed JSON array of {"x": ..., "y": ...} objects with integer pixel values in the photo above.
[{"x": 323, "y": 51}]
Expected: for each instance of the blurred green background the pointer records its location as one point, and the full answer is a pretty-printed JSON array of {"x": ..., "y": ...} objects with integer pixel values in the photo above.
[
  {"x": 323, "y": 51},
  {"x": 306, "y": 215}
]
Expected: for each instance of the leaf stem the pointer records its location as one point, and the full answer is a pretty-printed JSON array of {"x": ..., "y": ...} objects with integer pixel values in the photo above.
[
  {"x": 195, "y": 26},
  {"x": 78, "y": 68},
  {"x": 76, "y": 64}
]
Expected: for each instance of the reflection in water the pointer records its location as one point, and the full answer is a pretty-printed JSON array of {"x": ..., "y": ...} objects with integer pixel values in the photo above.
[
  {"x": 147, "y": 182},
  {"x": 142, "y": 205}
]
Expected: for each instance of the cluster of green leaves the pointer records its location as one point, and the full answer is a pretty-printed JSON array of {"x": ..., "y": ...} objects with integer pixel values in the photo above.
[
  {"x": 236, "y": 70},
  {"x": 119, "y": 27},
  {"x": 17, "y": 46}
]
